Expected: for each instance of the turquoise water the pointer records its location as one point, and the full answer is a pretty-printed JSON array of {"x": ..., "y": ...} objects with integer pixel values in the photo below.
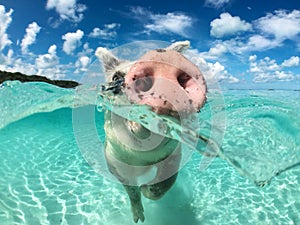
[{"x": 44, "y": 178}]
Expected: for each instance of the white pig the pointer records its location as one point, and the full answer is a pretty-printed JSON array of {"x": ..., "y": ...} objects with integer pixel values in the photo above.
[{"x": 170, "y": 84}]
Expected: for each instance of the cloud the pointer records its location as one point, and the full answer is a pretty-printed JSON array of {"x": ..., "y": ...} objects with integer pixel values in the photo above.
[
  {"x": 268, "y": 32},
  {"x": 48, "y": 64},
  {"x": 273, "y": 30},
  {"x": 281, "y": 25},
  {"x": 31, "y": 32},
  {"x": 86, "y": 50},
  {"x": 173, "y": 22},
  {"x": 47, "y": 60},
  {"x": 6, "y": 60},
  {"x": 72, "y": 41},
  {"x": 228, "y": 25},
  {"x": 82, "y": 64},
  {"x": 13, "y": 64},
  {"x": 267, "y": 69},
  {"x": 67, "y": 9},
  {"x": 213, "y": 72},
  {"x": 84, "y": 59},
  {"x": 216, "y": 51},
  {"x": 107, "y": 33},
  {"x": 216, "y": 3},
  {"x": 5, "y": 20},
  {"x": 274, "y": 76},
  {"x": 293, "y": 61},
  {"x": 239, "y": 46},
  {"x": 259, "y": 43},
  {"x": 252, "y": 58},
  {"x": 176, "y": 23}
]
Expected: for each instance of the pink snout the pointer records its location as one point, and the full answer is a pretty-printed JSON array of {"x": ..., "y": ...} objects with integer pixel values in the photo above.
[{"x": 167, "y": 82}]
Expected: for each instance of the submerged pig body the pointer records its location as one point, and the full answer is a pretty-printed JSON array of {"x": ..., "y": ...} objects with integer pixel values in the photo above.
[{"x": 170, "y": 84}]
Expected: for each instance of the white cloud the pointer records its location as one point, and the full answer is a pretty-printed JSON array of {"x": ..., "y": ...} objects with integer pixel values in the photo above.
[
  {"x": 177, "y": 23},
  {"x": 271, "y": 31},
  {"x": 293, "y": 61},
  {"x": 9, "y": 57},
  {"x": 112, "y": 25},
  {"x": 265, "y": 64},
  {"x": 72, "y": 41},
  {"x": 82, "y": 64},
  {"x": 171, "y": 22},
  {"x": 20, "y": 66},
  {"x": 47, "y": 60},
  {"x": 48, "y": 64},
  {"x": 6, "y": 60},
  {"x": 228, "y": 25},
  {"x": 273, "y": 76},
  {"x": 67, "y": 9},
  {"x": 252, "y": 58},
  {"x": 212, "y": 72},
  {"x": 216, "y": 3},
  {"x": 5, "y": 20},
  {"x": 45, "y": 65},
  {"x": 86, "y": 50},
  {"x": 84, "y": 59},
  {"x": 231, "y": 79},
  {"x": 108, "y": 32},
  {"x": 267, "y": 69},
  {"x": 31, "y": 32},
  {"x": 216, "y": 51},
  {"x": 259, "y": 43},
  {"x": 249, "y": 44},
  {"x": 282, "y": 24}
]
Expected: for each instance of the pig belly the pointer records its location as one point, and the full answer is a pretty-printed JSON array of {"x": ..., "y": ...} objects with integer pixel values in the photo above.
[
  {"x": 141, "y": 173},
  {"x": 130, "y": 174}
]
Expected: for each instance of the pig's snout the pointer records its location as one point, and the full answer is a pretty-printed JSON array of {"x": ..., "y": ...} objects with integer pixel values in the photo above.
[{"x": 166, "y": 87}]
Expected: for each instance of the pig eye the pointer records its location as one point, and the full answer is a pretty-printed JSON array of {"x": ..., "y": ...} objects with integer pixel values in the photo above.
[
  {"x": 118, "y": 75},
  {"x": 183, "y": 78},
  {"x": 143, "y": 83}
]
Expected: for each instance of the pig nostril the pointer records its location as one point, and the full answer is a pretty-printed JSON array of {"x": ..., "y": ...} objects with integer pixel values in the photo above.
[
  {"x": 183, "y": 79},
  {"x": 143, "y": 84}
]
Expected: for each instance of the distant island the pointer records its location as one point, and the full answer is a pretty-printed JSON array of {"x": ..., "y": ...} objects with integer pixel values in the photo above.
[{"x": 5, "y": 76}]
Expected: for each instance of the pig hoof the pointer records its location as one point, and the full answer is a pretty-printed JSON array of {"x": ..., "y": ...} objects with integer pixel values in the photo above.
[
  {"x": 152, "y": 192},
  {"x": 138, "y": 213}
]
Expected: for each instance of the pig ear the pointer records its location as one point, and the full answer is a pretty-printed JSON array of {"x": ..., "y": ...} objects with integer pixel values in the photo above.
[
  {"x": 179, "y": 46},
  {"x": 107, "y": 58}
]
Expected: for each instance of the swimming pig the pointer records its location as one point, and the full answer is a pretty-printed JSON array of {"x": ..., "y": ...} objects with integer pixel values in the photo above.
[{"x": 145, "y": 162}]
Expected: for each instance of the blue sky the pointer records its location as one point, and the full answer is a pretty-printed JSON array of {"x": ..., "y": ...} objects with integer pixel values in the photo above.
[{"x": 242, "y": 44}]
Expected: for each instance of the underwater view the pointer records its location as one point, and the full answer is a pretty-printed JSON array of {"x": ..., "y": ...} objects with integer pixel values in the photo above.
[{"x": 46, "y": 180}]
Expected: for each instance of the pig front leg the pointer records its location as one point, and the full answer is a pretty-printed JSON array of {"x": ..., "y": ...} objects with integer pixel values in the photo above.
[
  {"x": 133, "y": 192},
  {"x": 137, "y": 209}
]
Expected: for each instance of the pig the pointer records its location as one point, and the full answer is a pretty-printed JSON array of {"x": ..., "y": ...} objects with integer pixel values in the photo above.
[{"x": 143, "y": 161}]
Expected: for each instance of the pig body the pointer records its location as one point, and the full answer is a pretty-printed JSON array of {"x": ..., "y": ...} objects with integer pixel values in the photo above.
[{"x": 145, "y": 162}]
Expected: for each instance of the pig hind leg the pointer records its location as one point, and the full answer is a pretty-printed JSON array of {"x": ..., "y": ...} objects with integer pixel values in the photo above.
[
  {"x": 156, "y": 191},
  {"x": 133, "y": 192},
  {"x": 170, "y": 166}
]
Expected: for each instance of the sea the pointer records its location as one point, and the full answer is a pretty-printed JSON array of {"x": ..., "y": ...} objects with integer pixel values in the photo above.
[{"x": 49, "y": 174}]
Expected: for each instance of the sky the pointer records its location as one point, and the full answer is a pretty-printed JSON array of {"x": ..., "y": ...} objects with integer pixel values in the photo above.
[{"x": 243, "y": 44}]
